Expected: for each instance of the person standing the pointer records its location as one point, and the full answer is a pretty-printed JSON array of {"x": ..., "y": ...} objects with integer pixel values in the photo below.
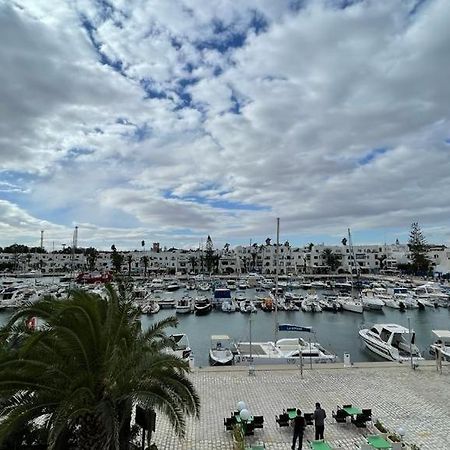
[
  {"x": 319, "y": 421},
  {"x": 299, "y": 426}
]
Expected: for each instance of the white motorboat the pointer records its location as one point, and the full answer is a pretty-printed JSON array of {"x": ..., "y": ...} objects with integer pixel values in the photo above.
[
  {"x": 442, "y": 343},
  {"x": 311, "y": 304},
  {"x": 202, "y": 306},
  {"x": 220, "y": 353},
  {"x": 330, "y": 304},
  {"x": 157, "y": 284},
  {"x": 285, "y": 351},
  {"x": 432, "y": 292},
  {"x": 392, "y": 302},
  {"x": 183, "y": 305},
  {"x": 240, "y": 296},
  {"x": 204, "y": 287},
  {"x": 150, "y": 307},
  {"x": 228, "y": 306},
  {"x": 166, "y": 303},
  {"x": 247, "y": 306},
  {"x": 182, "y": 348},
  {"x": 350, "y": 304},
  {"x": 231, "y": 285},
  {"x": 319, "y": 285},
  {"x": 371, "y": 301},
  {"x": 391, "y": 341},
  {"x": 173, "y": 286}
]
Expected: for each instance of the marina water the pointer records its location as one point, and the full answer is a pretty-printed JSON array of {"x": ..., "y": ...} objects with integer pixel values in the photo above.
[{"x": 337, "y": 332}]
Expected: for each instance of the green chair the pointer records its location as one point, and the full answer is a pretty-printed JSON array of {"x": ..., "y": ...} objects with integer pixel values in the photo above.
[{"x": 320, "y": 445}]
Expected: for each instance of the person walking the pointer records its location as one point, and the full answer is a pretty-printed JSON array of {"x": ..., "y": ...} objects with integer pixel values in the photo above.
[
  {"x": 319, "y": 421},
  {"x": 299, "y": 426}
]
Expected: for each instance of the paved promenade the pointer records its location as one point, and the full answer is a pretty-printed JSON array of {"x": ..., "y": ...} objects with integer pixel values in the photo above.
[{"x": 417, "y": 401}]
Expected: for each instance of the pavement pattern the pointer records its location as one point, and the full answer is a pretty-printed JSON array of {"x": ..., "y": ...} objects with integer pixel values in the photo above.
[{"x": 418, "y": 401}]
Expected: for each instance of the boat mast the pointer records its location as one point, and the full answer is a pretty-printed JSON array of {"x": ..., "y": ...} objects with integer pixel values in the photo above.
[
  {"x": 277, "y": 249},
  {"x": 352, "y": 256}
]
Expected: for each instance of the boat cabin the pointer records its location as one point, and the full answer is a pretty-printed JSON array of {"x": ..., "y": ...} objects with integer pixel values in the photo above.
[{"x": 395, "y": 335}]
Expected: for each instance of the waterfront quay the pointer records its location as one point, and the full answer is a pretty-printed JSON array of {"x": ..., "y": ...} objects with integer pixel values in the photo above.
[{"x": 417, "y": 401}]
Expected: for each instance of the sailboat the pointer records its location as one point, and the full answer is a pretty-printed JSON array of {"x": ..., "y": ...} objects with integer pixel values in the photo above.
[{"x": 351, "y": 303}]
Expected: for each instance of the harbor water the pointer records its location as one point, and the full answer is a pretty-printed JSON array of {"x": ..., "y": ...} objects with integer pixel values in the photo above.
[{"x": 337, "y": 332}]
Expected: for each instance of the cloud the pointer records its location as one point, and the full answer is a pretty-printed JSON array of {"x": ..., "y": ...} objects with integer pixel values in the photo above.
[{"x": 184, "y": 118}]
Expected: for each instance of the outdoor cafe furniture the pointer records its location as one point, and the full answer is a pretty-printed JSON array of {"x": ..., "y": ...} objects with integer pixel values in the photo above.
[
  {"x": 379, "y": 442},
  {"x": 320, "y": 445},
  {"x": 309, "y": 418},
  {"x": 282, "y": 420},
  {"x": 258, "y": 421}
]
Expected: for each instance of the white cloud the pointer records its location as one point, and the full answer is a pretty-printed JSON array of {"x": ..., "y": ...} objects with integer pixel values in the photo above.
[{"x": 316, "y": 93}]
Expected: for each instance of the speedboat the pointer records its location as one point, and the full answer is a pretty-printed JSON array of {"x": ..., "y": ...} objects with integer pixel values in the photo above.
[
  {"x": 181, "y": 347},
  {"x": 284, "y": 351},
  {"x": 202, "y": 306},
  {"x": 183, "y": 305},
  {"x": 246, "y": 306},
  {"x": 228, "y": 305},
  {"x": 350, "y": 304},
  {"x": 173, "y": 286},
  {"x": 433, "y": 293},
  {"x": 220, "y": 353},
  {"x": 204, "y": 287},
  {"x": 370, "y": 301},
  {"x": 330, "y": 305},
  {"x": 442, "y": 343},
  {"x": 150, "y": 307},
  {"x": 391, "y": 341}
]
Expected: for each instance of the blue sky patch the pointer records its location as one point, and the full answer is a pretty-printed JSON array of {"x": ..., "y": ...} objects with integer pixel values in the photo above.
[{"x": 369, "y": 157}]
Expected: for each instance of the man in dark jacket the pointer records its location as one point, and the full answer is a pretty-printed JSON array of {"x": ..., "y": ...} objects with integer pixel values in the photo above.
[
  {"x": 319, "y": 421},
  {"x": 299, "y": 426}
]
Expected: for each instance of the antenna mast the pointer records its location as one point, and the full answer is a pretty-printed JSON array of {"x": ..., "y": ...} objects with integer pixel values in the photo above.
[{"x": 277, "y": 249}]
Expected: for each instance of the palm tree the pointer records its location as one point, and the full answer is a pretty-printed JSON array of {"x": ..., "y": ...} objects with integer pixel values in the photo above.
[
  {"x": 129, "y": 262},
  {"x": 332, "y": 260},
  {"x": 85, "y": 368}
]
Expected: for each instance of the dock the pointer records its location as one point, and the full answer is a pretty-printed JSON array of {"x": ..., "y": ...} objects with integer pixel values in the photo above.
[{"x": 416, "y": 401}]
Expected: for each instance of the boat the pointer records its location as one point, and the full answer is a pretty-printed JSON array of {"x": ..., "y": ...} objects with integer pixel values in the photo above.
[
  {"x": 183, "y": 305},
  {"x": 433, "y": 293},
  {"x": 350, "y": 304},
  {"x": 157, "y": 284},
  {"x": 204, "y": 287},
  {"x": 370, "y": 301},
  {"x": 392, "y": 302},
  {"x": 231, "y": 285},
  {"x": 150, "y": 307},
  {"x": 329, "y": 304},
  {"x": 221, "y": 295},
  {"x": 240, "y": 296},
  {"x": 171, "y": 287},
  {"x": 228, "y": 306},
  {"x": 319, "y": 285},
  {"x": 284, "y": 351},
  {"x": 311, "y": 304},
  {"x": 167, "y": 303},
  {"x": 267, "y": 305},
  {"x": 220, "y": 353},
  {"x": 247, "y": 306},
  {"x": 93, "y": 277},
  {"x": 202, "y": 306},
  {"x": 181, "y": 348},
  {"x": 391, "y": 341},
  {"x": 291, "y": 306},
  {"x": 442, "y": 343},
  {"x": 242, "y": 285}
]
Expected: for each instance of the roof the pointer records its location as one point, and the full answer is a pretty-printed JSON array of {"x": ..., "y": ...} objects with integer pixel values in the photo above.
[
  {"x": 393, "y": 327},
  {"x": 442, "y": 334}
]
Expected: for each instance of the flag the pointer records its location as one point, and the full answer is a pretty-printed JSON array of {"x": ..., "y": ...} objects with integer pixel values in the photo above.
[{"x": 292, "y": 327}]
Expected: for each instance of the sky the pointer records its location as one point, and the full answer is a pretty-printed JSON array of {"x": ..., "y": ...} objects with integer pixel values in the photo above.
[{"x": 167, "y": 121}]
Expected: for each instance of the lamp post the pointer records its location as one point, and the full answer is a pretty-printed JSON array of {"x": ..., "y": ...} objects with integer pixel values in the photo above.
[{"x": 410, "y": 342}]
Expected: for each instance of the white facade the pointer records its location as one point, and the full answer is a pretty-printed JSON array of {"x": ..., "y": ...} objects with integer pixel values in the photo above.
[{"x": 241, "y": 259}]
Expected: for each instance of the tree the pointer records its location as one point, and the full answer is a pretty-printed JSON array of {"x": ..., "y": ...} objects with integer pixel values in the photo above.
[
  {"x": 145, "y": 261},
  {"x": 332, "y": 260},
  {"x": 91, "y": 257},
  {"x": 268, "y": 241},
  {"x": 344, "y": 241},
  {"x": 129, "y": 262},
  {"x": 86, "y": 369},
  {"x": 310, "y": 246},
  {"x": 209, "y": 254},
  {"x": 418, "y": 247},
  {"x": 117, "y": 259},
  {"x": 193, "y": 261}
]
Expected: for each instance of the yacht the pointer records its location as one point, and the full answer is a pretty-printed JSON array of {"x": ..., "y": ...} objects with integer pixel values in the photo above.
[
  {"x": 370, "y": 301},
  {"x": 247, "y": 306},
  {"x": 183, "y": 305},
  {"x": 157, "y": 284},
  {"x": 330, "y": 304},
  {"x": 350, "y": 304},
  {"x": 220, "y": 353},
  {"x": 442, "y": 342},
  {"x": 229, "y": 306},
  {"x": 391, "y": 341},
  {"x": 150, "y": 307},
  {"x": 284, "y": 351},
  {"x": 433, "y": 293},
  {"x": 202, "y": 306},
  {"x": 204, "y": 287},
  {"x": 173, "y": 286}
]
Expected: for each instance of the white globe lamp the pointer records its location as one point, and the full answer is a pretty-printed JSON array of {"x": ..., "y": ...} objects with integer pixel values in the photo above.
[
  {"x": 244, "y": 414},
  {"x": 241, "y": 406}
]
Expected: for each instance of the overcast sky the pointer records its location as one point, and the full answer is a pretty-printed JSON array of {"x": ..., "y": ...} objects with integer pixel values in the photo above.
[{"x": 171, "y": 120}]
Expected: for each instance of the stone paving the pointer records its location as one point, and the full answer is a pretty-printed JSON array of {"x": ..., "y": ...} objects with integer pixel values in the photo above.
[{"x": 417, "y": 401}]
